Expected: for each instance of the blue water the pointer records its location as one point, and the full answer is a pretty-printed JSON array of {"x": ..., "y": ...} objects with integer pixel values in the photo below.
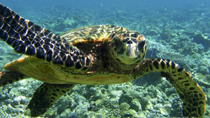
[
  {"x": 118, "y": 12},
  {"x": 124, "y": 4},
  {"x": 175, "y": 29}
]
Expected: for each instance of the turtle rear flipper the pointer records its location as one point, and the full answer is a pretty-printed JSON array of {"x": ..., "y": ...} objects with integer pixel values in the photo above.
[
  {"x": 45, "y": 96},
  {"x": 30, "y": 39},
  {"x": 8, "y": 77},
  {"x": 190, "y": 92}
]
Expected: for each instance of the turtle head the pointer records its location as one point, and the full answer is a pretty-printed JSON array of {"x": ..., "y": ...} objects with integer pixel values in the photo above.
[{"x": 128, "y": 47}]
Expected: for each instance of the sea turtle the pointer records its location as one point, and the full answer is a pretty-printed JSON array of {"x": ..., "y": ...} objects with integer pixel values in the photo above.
[{"x": 94, "y": 55}]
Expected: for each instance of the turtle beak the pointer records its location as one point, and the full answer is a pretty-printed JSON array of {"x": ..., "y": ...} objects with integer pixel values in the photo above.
[{"x": 132, "y": 49}]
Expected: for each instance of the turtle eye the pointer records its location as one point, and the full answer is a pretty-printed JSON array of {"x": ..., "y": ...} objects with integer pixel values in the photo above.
[
  {"x": 117, "y": 42},
  {"x": 141, "y": 45}
]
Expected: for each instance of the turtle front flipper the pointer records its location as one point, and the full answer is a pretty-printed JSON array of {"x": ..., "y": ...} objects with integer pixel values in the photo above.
[
  {"x": 45, "y": 96},
  {"x": 9, "y": 77},
  {"x": 189, "y": 91},
  {"x": 30, "y": 39}
]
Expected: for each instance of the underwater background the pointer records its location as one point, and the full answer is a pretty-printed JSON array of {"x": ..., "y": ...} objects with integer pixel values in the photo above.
[{"x": 175, "y": 29}]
